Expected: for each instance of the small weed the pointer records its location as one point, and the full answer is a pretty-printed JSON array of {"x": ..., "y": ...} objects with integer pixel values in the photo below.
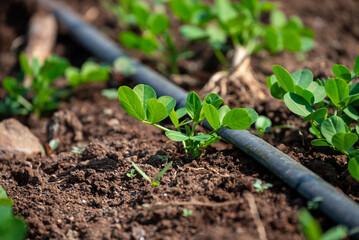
[
  {"x": 259, "y": 187},
  {"x": 131, "y": 174},
  {"x": 163, "y": 159},
  {"x": 157, "y": 178},
  {"x": 314, "y": 204}
]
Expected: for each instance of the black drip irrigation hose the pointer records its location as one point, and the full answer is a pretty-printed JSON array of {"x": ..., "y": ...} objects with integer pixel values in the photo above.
[{"x": 335, "y": 204}]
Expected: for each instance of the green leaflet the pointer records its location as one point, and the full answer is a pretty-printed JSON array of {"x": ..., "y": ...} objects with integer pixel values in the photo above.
[
  {"x": 284, "y": 78},
  {"x": 297, "y": 104},
  {"x": 237, "y": 119},
  {"x": 176, "y": 136},
  {"x": 144, "y": 93},
  {"x": 155, "y": 111},
  {"x": 353, "y": 167},
  {"x": 302, "y": 78},
  {"x": 193, "y": 106},
  {"x": 168, "y": 102},
  {"x": 131, "y": 103},
  {"x": 331, "y": 126},
  {"x": 343, "y": 141},
  {"x": 336, "y": 89},
  {"x": 342, "y": 72},
  {"x": 212, "y": 115}
]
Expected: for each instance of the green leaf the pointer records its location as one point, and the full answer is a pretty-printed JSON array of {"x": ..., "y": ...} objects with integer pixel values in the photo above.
[
  {"x": 201, "y": 137},
  {"x": 142, "y": 13},
  {"x": 320, "y": 142},
  {"x": 350, "y": 100},
  {"x": 237, "y": 119},
  {"x": 273, "y": 39},
  {"x": 291, "y": 40},
  {"x": 318, "y": 114},
  {"x": 158, "y": 23},
  {"x": 181, "y": 112},
  {"x": 304, "y": 93},
  {"x": 222, "y": 111},
  {"x": 217, "y": 37},
  {"x": 176, "y": 136},
  {"x": 353, "y": 167},
  {"x": 193, "y": 106},
  {"x": 92, "y": 72},
  {"x": 225, "y": 10},
  {"x": 297, "y": 104},
  {"x": 155, "y": 111},
  {"x": 302, "y": 78},
  {"x": 53, "y": 68},
  {"x": 336, "y": 89},
  {"x": 335, "y": 233},
  {"x": 284, "y": 78},
  {"x": 163, "y": 171},
  {"x": 131, "y": 103},
  {"x": 24, "y": 64},
  {"x": 352, "y": 113},
  {"x": 144, "y": 93},
  {"x": 129, "y": 40},
  {"x": 3, "y": 193},
  {"x": 343, "y": 141},
  {"x": 253, "y": 114},
  {"x": 147, "y": 45},
  {"x": 278, "y": 18},
  {"x": 331, "y": 126},
  {"x": 12, "y": 87},
  {"x": 342, "y": 72},
  {"x": 311, "y": 227},
  {"x": 318, "y": 92},
  {"x": 277, "y": 91},
  {"x": 143, "y": 174},
  {"x": 110, "y": 93},
  {"x": 193, "y": 33},
  {"x": 262, "y": 123},
  {"x": 181, "y": 10},
  {"x": 356, "y": 66},
  {"x": 307, "y": 44},
  {"x": 6, "y": 201},
  {"x": 213, "y": 99},
  {"x": 212, "y": 115},
  {"x": 174, "y": 118},
  {"x": 73, "y": 76},
  {"x": 168, "y": 102}
]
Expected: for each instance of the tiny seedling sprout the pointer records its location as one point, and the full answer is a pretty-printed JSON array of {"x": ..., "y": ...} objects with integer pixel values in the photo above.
[
  {"x": 131, "y": 174},
  {"x": 259, "y": 187},
  {"x": 157, "y": 178},
  {"x": 78, "y": 150},
  {"x": 163, "y": 159},
  {"x": 187, "y": 212},
  {"x": 51, "y": 146},
  {"x": 314, "y": 204}
]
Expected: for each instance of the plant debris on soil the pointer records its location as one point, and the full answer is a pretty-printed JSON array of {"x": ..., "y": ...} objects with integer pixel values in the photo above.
[{"x": 89, "y": 196}]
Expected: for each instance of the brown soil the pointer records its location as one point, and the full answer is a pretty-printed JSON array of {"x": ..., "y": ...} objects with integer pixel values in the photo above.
[{"x": 88, "y": 196}]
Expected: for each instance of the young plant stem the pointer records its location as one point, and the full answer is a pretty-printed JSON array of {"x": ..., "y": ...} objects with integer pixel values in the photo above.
[
  {"x": 156, "y": 125},
  {"x": 221, "y": 58}
]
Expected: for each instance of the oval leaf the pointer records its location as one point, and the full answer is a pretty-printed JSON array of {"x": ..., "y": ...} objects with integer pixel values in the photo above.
[
  {"x": 169, "y": 103},
  {"x": 336, "y": 89},
  {"x": 343, "y": 141},
  {"x": 352, "y": 113},
  {"x": 222, "y": 111},
  {"x": 155, "y": 111},
  {"x": 320, "y": 142},
  {"x": 297, "y": 104},
  {"x": 353, "y": 167},
  {"x": 201, "y": 137},
  {"x": 176, "y": 136},
  {"x": 131, "y": 103},
  {"x": 302, "y": 78},
  {"x": 193, "y": 106},
  {"x": 252, "y": 113},
  {"x": 306, "y": 94},
  {"x": 237, "y": 119},
  {"x": 145, "y": 93},
  {"x": 331, "y": 126},
  {"x": 342, "y": 72},
  {"x": 356, "y": 66},
  {"x": 193, "y": 33},
  {"x": 318, "y": 114},
  {"x": 284, "y": 78},
  {"x": 158, "y": 23},
  {"x": 318, "y": 92},
  {"x": 212, "y": 115}
]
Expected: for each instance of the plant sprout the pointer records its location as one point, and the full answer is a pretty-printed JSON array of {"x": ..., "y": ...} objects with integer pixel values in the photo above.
[
  {"x": 142, "y": 104},
  {"x": 131, "y": 174},
  {"x": 78, "y": 150},
  {"x": 187, "y": 212},
  {"x": 155, "y": 182},
  {"x": 259, "y": 187}
]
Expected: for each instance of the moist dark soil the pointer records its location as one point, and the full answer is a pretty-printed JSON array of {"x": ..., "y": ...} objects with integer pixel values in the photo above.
[{"x": 89, "y": 196}]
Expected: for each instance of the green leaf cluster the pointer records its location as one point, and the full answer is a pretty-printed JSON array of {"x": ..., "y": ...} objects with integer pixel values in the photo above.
[
  {"x": 328, "y": 105},
  {"x": 43, "y": 94},
  {"x": 11, "y": 227},
  {"x": 313, "y": 231},
  {"x": 142, "y": 104},
  {"x": 89, "y": 72}
]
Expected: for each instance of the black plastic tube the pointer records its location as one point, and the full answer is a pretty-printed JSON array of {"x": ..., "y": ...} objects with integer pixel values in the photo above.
[{"x": 335, "y": 204}]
